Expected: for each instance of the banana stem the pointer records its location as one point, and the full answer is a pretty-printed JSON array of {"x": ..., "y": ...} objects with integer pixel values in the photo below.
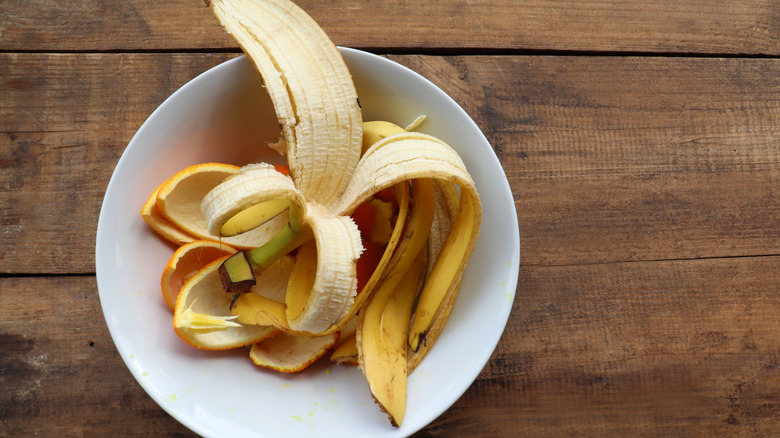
[{"x": 291, "y": 237}]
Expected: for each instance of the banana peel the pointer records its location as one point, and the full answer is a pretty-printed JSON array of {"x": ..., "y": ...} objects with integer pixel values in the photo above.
[
  {"x": 254, "y": 309},
  {"x": 444, "y": 278},
  {"x": 310, "y": 86},
  {"x": 381, "y": 340},
  {"x": 178, "y": 201},
  {"x": 336, "y": 162},
  {"x": 324, "y": 102},
  {"x": 347, "y": 352},
  {"x": 388, "y": 164}
]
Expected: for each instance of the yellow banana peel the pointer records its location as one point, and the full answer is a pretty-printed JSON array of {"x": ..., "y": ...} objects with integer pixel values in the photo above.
[
  {"x": 336, "y": 162},
  {"x": 381, "y": 340},
  {"x": 445, "y": 275}
]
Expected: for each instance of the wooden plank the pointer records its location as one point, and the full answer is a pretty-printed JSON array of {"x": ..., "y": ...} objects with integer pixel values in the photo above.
[
  {"x": 633, "y": 349},
  {"x": 609, "y": 159},
  {"x": 614, "y": 159},
  {"x": 60, "y": 372},
  {"x": 64, "y": 122},
  {"x": 646, "y": 348},
  {"x": 658, "y": 26}
]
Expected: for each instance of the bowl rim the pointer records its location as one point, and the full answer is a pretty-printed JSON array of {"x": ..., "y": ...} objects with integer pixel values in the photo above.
[{"x": 101, "y": 258}]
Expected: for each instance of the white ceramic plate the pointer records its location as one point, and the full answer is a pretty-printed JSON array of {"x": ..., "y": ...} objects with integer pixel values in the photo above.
[{"x": 224, "y": 115}]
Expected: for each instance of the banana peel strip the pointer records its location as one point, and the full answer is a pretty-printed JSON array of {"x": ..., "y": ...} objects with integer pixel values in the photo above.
[
  {"x": 381, "y": 340},
  {"x": 383, "y": 323},
  {"x": 345, "y": 350},
  {"x": 173, "y": 210},
  {"x": 447, "y": 201},
  {"x": 311, "y": 89},
  {"x": 332, "y": 292},
  {"x": 444, "y": 279},
  {"x": 251, "y": 185}
]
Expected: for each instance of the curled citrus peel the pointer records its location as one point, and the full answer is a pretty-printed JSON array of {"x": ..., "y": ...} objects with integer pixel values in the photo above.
[
  {"x": 185, "y": 262},
  {"x": 203, "y": 319},
  {"x": 336, "y": 163},
  {"x": 173, "y": 208},
  {"x": 288, "y": 353},
  {"x": 161, "y": 225}
]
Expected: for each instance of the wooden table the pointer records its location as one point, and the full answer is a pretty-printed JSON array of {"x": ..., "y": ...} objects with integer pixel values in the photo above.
[{"x": 641, "y": 140}]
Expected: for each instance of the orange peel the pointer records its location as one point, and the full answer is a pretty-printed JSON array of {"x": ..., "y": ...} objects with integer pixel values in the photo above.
[
  {"x": 289, "y": 354},
  {"x": 187, "y": 260},
  {"x": 202, "y": 318},
  {"x": 161, "y": 225},
  {"x": 178, "y": 201}
]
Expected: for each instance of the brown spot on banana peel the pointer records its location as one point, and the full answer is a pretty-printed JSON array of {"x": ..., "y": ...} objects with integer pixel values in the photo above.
[{"x": 421, "y": 342}]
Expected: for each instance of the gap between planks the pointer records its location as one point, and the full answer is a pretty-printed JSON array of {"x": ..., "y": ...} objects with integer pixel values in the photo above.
[
  {"x": 563, "y": 265},
  {"x": 433, "y": 51},
  {"x": 620, "y": 262}
]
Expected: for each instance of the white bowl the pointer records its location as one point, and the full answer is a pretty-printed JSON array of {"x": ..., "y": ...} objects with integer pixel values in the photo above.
[{"x": 224, "y": 115}]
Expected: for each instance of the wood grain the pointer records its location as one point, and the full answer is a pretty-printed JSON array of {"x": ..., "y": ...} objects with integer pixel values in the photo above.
[
  {"x": 679, "y": 348},
  {"x": 627, "y": 158},
  {"x": 629, "y": 349},
  {"x": 657, "y": 26},
  {"x": 609, "y": 158},
  {"x": 64, "y": 122},
  {"x": 641, "y": 141},
  {"x": 60, "y": 372}
]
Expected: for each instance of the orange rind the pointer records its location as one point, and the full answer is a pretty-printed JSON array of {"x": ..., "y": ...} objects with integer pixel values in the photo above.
[
  {"x": 202, "y": 315},
  {"x": 185, "y": 262},
  {"x": 178, "y": 201},
  {"x": 161, "y": 225},
  {"x": 345, "y": 351},
  {"x": 289, "y": 354}
]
